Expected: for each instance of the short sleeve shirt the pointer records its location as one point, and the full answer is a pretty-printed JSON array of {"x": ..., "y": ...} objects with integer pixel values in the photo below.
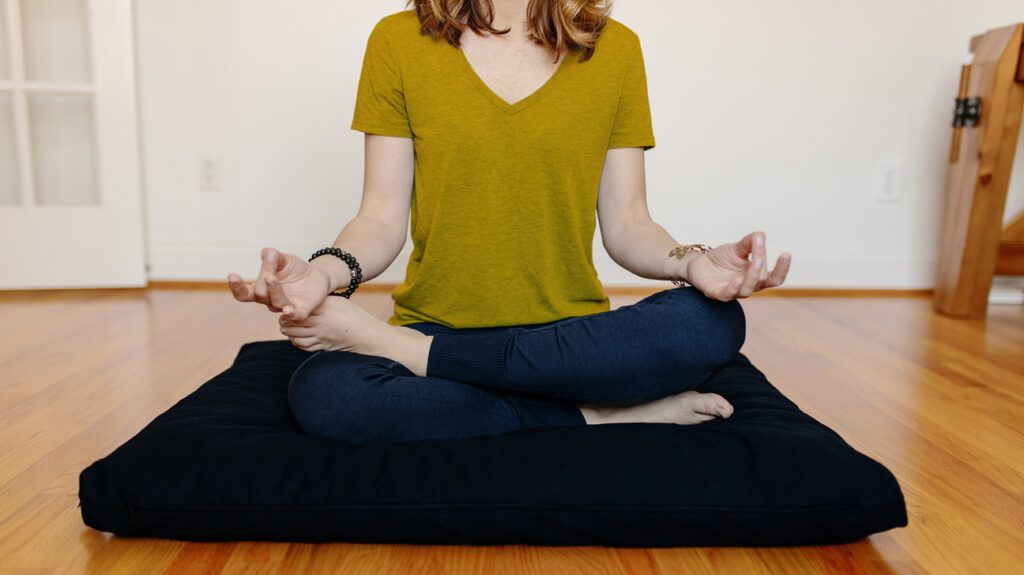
[{"x": 504, "y": 197}]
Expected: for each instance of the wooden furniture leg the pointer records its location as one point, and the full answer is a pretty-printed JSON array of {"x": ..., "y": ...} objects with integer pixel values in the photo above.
[{"x": 974, "y": 246}]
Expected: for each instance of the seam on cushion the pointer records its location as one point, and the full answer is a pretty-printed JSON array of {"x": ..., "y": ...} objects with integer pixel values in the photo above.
[{"x": 510, "y": 506}]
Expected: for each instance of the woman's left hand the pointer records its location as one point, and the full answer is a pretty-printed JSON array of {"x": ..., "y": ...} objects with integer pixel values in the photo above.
[{"x": 725, "y": 273}]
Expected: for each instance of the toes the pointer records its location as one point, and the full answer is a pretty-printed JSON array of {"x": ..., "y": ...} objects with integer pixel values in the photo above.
[
  {"x": 700, "y": 418},
  {"x": 712, "y": 404},
  {"x": 700, "y": 407},
  {"x": 723, "y": 407}
]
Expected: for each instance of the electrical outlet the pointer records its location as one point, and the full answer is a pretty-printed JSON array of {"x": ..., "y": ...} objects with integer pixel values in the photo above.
[
  {"x": 208, "y": 173},
  {"x": 888, "y": 184}
]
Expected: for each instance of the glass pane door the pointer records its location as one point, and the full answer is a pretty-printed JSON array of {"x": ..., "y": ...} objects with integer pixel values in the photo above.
[
  {"x": 48, "y": 134},
  {"x": 55, "y": 37},
  {"x": 5, "y": 58},
  {"x": 63, "y": 148},
  {"x": 10, "y": 190}
]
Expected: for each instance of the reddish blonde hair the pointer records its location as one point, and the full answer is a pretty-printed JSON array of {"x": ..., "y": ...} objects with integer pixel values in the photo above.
[{"x": 559, "y": 25}]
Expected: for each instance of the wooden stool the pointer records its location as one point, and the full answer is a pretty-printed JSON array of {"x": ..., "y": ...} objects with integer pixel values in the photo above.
[{"x": 987, "y": 123}]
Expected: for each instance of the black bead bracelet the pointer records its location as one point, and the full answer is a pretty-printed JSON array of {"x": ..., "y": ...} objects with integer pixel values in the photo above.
[{"x": 353, "y": 266}]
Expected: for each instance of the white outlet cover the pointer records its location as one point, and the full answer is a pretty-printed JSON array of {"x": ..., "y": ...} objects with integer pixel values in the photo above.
[
  {"x": 208, "y": 173},
  {"x": 888, "y": 181}
]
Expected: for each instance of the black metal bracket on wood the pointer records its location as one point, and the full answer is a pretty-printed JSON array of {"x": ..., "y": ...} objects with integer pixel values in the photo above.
[{"x": 967, "y": 112}]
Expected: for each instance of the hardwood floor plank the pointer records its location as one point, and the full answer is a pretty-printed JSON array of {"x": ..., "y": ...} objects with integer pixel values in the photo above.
[
  {"x": 201, "y": 558},
  {"x": 255, "y": 558}
]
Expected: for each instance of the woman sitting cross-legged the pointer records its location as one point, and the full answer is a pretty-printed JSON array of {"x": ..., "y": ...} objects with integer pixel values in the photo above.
[{"x": 506, "y": 131}]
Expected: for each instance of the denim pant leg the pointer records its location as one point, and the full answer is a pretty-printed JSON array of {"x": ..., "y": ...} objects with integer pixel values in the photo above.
[
  {"x": 668, "y": 342},
  {"x": 362, "y": 398}
]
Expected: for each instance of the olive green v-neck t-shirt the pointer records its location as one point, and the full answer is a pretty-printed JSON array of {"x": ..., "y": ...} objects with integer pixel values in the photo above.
[{"x": 504, "y": 197}]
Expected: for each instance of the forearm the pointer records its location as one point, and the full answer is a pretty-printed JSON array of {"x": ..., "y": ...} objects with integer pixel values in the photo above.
[
  {"x": 374, "y": 244},
  {"x": 642, "y": 247}
]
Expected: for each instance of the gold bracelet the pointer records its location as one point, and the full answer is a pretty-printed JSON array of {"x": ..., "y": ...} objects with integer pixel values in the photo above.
[{"x": 682, "y": 250}]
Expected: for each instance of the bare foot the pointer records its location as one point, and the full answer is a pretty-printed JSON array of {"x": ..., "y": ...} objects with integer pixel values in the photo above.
[
  {"x": 407, "y": 330},
  {"x": 407, "y": 346},
  {"x": 341, "y": 324},
  {"x": 686, "y": 408},
  {"x": 336, "y": 324}
]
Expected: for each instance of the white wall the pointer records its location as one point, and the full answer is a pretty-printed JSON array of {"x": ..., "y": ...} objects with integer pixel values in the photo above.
[{"x": 768, "y": 115}]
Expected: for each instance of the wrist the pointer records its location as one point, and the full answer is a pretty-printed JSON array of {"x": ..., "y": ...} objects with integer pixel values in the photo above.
[
  {"x": 687, "y": 255},
  {"x": 338, "y": 273},
  {"x": 679, "y": 268},
  {"x": 687, "y": 261}
]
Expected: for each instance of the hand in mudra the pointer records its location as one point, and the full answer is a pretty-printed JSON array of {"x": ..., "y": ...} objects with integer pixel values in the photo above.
[
  {"x": 725, "y": 273},
  {"x": 287, "y": 284}
]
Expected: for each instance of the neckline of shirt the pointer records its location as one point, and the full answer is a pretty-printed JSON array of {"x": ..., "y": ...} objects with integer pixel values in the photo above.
[{"x": 522, "y": 103}]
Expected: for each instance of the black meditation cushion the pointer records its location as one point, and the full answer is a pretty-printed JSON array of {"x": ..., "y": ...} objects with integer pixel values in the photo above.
[{"x": 228, "y": 462}]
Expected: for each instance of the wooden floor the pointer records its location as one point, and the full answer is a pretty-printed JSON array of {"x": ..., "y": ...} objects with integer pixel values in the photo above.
[{"x": 940, "y": 402}]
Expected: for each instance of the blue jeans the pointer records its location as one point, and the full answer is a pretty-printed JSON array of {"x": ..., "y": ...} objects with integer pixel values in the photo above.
[{"x": 486, "y": 381}]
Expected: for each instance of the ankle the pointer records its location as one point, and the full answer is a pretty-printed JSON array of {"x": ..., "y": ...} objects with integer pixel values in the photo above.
[
  {"x": 413, "y": 351},
  {"x": 406, "y": 346},
  {"x": 386, "y": 340},
  {"x": 375, "y": 340}
]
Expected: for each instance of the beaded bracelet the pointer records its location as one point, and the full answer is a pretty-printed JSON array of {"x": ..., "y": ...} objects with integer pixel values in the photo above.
[{"x": 353, "y": 266}]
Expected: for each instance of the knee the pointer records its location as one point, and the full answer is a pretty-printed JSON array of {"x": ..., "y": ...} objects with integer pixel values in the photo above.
[
  {"x": 326, "y": 394},
  {"x": 717, "y": 328},
  {"x": 733, "y": 323}
]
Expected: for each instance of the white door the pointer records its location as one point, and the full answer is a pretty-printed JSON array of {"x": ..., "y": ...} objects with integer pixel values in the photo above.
[{"x": 70, "y": 198}]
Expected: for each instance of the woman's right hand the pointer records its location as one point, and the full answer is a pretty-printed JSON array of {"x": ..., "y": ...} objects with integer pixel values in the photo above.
[{"x": 287, "y": 284}]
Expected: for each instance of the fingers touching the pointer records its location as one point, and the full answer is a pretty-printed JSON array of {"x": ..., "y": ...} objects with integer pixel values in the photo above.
[
  {"x": 268, "y": 290},
  {"x": 275, "y": 293},
  {"x": 272, "y": 261},
  {"x": 244, "y": 291},
  {"x": 751, "y": 277},
  {"x": 756, "y": 276}
]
